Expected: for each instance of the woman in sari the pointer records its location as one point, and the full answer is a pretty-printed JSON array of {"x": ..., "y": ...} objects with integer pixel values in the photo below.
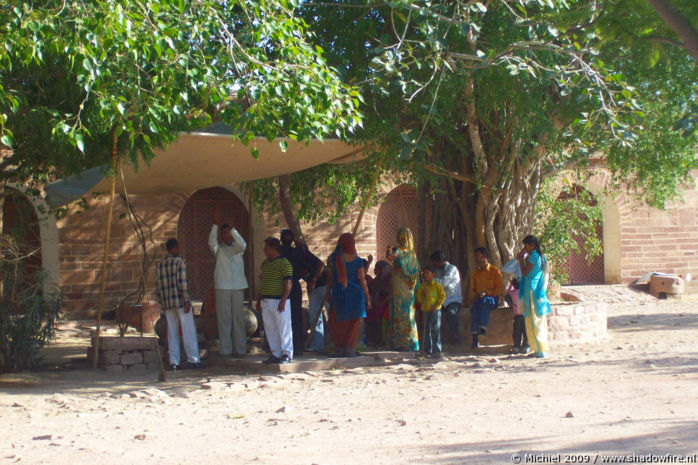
[
  {"x": 532, "y": 294},
  {"x": 348, "y": 294},
  {"x": 403, "y": 326}
]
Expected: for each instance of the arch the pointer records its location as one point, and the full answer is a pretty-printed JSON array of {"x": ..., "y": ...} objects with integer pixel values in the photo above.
[
  {"x": 611, "y": 228},
  {"x": 398, "y": 209},
  {"x": 24, "y": 211},
  {"x": 580, "y": 270},
  {"x": 194, "y": 226},
  {"x": 596, "y": 183}
]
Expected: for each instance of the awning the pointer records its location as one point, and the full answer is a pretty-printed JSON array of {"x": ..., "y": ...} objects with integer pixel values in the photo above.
[{"x": 206, "y": 159}]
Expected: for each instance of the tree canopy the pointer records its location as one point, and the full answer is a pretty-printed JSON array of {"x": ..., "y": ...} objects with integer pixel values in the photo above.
[
  {"x": 79, "y": 79},
  {"x": 482, "y": 102}
]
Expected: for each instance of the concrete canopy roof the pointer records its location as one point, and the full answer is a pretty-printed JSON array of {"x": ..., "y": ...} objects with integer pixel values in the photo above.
[
  {"x": 205, "y": 159},
  {"x": 201, "y": 160}
]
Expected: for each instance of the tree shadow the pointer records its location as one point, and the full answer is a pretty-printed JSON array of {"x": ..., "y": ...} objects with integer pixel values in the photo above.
[
  {"x": 667, "y": 437},
  {"x": 652, "y": 322}
]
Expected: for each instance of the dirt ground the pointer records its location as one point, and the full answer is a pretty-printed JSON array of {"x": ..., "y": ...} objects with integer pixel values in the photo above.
[{"x": 634, "y": 394}]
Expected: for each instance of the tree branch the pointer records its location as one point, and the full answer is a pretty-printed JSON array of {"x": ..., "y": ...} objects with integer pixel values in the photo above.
[
  {"x": 679, "y": 24},
  {"x": 286, "y": 206}
]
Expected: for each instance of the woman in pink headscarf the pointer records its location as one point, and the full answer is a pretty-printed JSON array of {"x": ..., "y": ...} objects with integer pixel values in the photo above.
[{"x": 348, "y": 294}]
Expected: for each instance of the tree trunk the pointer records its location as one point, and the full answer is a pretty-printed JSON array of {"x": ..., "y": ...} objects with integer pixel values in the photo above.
[
  {"x": 287, "y": 208},
  {"x": 105, "y": 258},
  {"x": 679, "y": 24}
]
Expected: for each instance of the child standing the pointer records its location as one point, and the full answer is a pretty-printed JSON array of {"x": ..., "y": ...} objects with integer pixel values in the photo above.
[
  {"x": 519, "y": 335},
  {"x": 431, "y": 297}
]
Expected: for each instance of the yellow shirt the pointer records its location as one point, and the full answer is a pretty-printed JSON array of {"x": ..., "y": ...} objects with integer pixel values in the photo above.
[
  {"x": 488, "y": 280},
  {"x": 430, "y": 294}
]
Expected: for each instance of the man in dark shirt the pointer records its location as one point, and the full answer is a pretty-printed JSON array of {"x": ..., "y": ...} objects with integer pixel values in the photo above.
[
  {"x": 316, "y": 283},
  {"x": 295, "y": 255}
]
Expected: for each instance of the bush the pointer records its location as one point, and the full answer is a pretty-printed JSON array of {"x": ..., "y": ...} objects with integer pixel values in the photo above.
[
  {"x": 567, "y": 223},
  {"x": 27, "y": 314}
]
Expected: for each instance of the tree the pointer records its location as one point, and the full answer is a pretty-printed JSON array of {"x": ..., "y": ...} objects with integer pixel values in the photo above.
[
  {"x": 83, "y": 83},
  {"x": 679, "y": 23},
  {"x": 81, "y": 79},
  {"x": 484, "y": 101}
]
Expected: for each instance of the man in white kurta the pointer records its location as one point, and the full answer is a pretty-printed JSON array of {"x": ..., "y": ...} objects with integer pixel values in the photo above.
[{"x": 230, "y": 283}]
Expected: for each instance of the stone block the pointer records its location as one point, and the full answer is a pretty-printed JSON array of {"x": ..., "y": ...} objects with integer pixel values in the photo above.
[
  {"x": 137, "y": 369},
  {"x": 563, "y": 310},
  {"x": 151, "y": 356},
  {"x": 110, "y": 357},
  {"x": 558, "y": 323},
  {"x": 115, "y": 369},
  {"x": 126, "y": 344},
  {"x": 153, "y": 366},
  {"x": 666, "y": 285},
  {"x": 581, "y": 310},
  {"x": 131, "y": 358}
]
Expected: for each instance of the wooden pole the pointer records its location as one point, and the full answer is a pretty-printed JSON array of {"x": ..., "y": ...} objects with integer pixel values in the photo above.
[
  {"x": 105, "y": 258},
  {"x": 250, "y": 240},
  {"x": 367, "y": 201}
]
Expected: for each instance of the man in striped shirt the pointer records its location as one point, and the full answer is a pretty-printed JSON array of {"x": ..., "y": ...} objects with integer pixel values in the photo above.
[
  {"x": 273, "y": 303},
  {"x": 171, "y": 293}
]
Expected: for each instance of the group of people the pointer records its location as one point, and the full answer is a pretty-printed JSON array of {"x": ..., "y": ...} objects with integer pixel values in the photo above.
[{"x": 386, "y": 303}]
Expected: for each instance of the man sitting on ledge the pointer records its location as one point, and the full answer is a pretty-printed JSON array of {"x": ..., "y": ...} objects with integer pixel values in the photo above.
[{"x": 485, "y": 288}]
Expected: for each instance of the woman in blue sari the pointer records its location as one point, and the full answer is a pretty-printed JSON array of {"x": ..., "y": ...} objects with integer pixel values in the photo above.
[
  {"x": 403, "y": 325},
  {"x": 532, "y": 294}
]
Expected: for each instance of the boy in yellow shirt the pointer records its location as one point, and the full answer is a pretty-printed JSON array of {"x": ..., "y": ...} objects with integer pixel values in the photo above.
[{"x": 431, "y": 297}]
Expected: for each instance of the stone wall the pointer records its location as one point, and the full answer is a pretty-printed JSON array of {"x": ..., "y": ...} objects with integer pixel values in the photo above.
[
  {"x": 568, "y": 324},
  {"x": 81, "y": 245},
  {"x": 81, "y": 248},
  {"x": 637, "y": 238},
  {"x": 322, "y": 237},
  {"x": 577, "y": 323},
  {"x": 656, "y": 240}
]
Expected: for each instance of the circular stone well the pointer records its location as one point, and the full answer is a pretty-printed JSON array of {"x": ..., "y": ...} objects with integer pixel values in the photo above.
[{"x": 577, "y": 322}]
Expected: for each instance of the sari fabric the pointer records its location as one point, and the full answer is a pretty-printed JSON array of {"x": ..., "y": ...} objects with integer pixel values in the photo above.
[
  {"x": 403, "y": 325},
  {"x": 533, "y": 285},
  {"x": 532, "y": 296}
]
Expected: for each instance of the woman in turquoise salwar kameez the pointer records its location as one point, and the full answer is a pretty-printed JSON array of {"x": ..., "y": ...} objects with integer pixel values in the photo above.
[
  {"x": 403, "y": 325},
  {"x": 532, "y": 294}
]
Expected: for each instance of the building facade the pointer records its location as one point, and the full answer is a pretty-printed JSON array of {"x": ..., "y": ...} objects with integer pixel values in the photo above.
[{"x": 636, "y": 239}]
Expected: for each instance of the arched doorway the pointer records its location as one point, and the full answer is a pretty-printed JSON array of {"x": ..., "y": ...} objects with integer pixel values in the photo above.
[
  {"x": 579, "y": 269},
  {"x": 193, "y": 229},
  {"x": 398, "y": 209},
  {"x": 21, "y": 223}
]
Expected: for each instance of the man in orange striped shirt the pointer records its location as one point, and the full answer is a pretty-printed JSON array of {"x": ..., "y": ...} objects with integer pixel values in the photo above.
[{"x": 485, "y": 288}]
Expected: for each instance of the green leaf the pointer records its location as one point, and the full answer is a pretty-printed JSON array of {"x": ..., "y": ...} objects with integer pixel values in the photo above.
[{"x": 80, "y": 143}]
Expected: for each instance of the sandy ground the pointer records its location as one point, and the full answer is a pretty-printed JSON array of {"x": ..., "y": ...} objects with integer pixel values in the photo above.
[{"x": 635, "y": 394}]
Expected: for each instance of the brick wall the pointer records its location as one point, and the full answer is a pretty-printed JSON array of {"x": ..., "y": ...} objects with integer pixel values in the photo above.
[
  {"x": 322, "y": 237},
  {"x": 656, "y": 240},
  {"x": 81, "y": 246}
]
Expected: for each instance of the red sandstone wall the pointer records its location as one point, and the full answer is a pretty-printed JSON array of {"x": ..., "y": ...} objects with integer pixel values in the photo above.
[
  {"x": 655, "y": 240},
  {"x": 650, "y": 240},
  {"x": 322, "y": 237},
  {"x": 81, "y": 248},
  {"x": 82, "y": 245}
]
